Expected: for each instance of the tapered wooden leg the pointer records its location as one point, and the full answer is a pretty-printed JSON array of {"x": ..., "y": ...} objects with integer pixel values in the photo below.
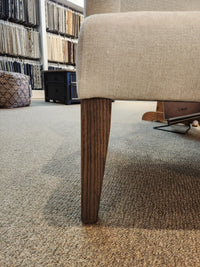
[
  {"x": 157, "y": 115},
  {"x": 95, "y": 130}
]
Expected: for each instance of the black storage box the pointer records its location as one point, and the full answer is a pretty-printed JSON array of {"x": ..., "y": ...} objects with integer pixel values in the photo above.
[{"x": 60, "y": 85}]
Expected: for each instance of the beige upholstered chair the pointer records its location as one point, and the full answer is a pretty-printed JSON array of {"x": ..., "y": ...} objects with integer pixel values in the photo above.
[{"x": 139, "y": 50}]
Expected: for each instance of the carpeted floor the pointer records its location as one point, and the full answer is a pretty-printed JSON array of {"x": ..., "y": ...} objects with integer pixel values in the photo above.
[{"x": 150, "y": 207}]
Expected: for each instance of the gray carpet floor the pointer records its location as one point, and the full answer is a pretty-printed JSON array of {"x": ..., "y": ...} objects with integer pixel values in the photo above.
[{"x": 150, "y": 206}]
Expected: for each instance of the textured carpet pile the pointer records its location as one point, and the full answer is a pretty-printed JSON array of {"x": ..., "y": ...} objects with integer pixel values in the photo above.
[{"x": 150, "y": 206}]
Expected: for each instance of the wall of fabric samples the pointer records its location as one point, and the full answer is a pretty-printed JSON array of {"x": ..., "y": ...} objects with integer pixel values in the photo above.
[
  {"x": 63, "y": 26},
  {"x": 19, "y": 41},
  {"x": 63, "y": 20},
  {"x": 21, "y": 11},
  {"x": 61, "y": 49},
  {"x": 20, "y": 37},
  {"x": 23, "y": 66}
]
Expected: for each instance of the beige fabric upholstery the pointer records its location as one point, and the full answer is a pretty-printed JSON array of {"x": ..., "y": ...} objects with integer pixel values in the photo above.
[
  {"x": 140, "y": 56},
  {"x": 108, "y": 6},
  {"x": 101, "y": 6},
  {"x": 160, "y": 5}
]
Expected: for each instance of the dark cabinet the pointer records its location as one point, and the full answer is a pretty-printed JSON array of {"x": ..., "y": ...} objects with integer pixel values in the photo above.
[{"x": 60, "y": 85}]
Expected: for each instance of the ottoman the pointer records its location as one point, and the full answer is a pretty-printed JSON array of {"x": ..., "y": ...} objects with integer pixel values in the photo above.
[{"x": 15, "y": 90}]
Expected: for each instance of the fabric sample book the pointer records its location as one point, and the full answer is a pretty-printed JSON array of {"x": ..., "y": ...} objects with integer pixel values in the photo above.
[
  {"x": 20, "y": 11},
  {"x": 62, "y": 20},
  {"x": 61, "y": 49},
  {"x": 32, "y": 70},
  {"x": 19, "y": 41}
]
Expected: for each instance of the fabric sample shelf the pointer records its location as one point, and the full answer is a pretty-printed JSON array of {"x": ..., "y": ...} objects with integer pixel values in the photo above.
[
  {"x": 63, "y": 20},
  {"x": 22, "y": 40},
  {"x": 19, "y": 41},
  {"x": 20, "y": 11}
]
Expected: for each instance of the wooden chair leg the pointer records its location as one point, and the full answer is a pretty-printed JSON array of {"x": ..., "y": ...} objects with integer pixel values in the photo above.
[
  {"x": 157, "y": 115},
  {"x": 95, "y": 130}
]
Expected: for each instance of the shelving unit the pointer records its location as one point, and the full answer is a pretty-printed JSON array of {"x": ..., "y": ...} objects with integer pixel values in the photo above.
[
  {"x": 23, "y": 65},
  {"x": 62, "y": 26},
  {"x": 20, "y": 12},
  {"x": 31, "y": 42},
  {"x": 20, "y": 42}
]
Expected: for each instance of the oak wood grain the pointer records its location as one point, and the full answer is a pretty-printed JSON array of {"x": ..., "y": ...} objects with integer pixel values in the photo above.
[
  {"x": 157, "y": 115},
  {"x": 95, "y": 130}
]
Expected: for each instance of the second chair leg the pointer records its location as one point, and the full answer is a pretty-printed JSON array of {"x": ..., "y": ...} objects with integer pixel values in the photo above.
[{"x": 95, "y": 130}]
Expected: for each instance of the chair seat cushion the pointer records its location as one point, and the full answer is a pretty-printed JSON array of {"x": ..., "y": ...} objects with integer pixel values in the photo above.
[
  {"x": 113, "y": 6},
  {"x": 159, "y": 5},
  {"x": 15, "y": 90},
  {"x": 140, "y": 56}
]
